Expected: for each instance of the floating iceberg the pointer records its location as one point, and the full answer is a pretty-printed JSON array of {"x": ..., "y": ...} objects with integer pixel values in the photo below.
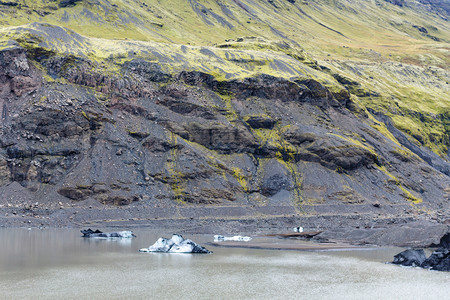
[
  {"x": 237, "y": 238},
  {"x": 176, "y": 244},
  {"x": 98, "y": 234}
]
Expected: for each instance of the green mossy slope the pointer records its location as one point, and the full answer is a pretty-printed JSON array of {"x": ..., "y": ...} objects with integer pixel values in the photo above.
[{"x": 394, "y": 59}]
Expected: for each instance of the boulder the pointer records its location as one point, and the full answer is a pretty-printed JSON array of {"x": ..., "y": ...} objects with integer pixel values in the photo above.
[
  {"x": 439, "y": 260},
  {"x": 176, "y": 244},
  {"x": 445, "y": 241}
]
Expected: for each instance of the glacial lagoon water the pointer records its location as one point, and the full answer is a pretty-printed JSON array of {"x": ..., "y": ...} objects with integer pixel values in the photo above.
[{"x": 60, "y": 264}]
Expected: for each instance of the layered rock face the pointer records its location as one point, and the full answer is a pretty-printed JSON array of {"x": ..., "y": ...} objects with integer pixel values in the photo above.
[{"x": 73, "y": 130}]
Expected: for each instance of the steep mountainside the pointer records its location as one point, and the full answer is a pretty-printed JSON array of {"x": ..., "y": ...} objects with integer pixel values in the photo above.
[{"x": 226, "y": 109}]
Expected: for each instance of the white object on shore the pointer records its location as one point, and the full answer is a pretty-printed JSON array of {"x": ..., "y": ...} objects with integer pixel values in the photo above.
[
  {"x": 298, "y": 229},
  {"x": 237, "y": 238}
]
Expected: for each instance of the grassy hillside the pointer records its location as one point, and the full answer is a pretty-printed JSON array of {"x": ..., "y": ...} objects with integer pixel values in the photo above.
[
  {"x": 393, "y": 57},
  {"x": 379, "y": 25}
]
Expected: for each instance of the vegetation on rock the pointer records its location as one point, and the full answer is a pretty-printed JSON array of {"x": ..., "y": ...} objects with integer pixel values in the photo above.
[{"x": 290, "y": 103}]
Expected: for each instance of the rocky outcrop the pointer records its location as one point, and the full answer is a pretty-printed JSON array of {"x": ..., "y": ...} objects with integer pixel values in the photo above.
[
  {"x": 439, "y": 260},
  {"x": 444, "y": 241},
  {"x": 222, "y": 138},
  {"x": 270, "y": 87},
  {"x": 397, "y": 2},
  {"x": 265, "y": 122},
  {"x": 436, "y": 6},
  {"x": 110, "y": 195},
  {"x": 8, "y": 3},
  {"x": 66, "y": 3},
  {"x": 331, "y": 150},
  {"x": 17, "y": 76}
]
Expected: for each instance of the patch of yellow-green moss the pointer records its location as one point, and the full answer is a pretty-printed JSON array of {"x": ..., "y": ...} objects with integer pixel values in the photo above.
[
  {"x": 405, "y": 153},
  {"x": 409, "y": 196},
  {"x": 85, "y": 115},
  {"x": 297, "y": 178},
  {"x": 176, "y": 178},
  {"x": 405, "y": 192},
  {"x": 431, "y": 134},
  {"x": 239, "y": 175},
  {"x": 213, "y": 159},
  {"x": 381, "y": 127},
  {"x": 231, "y": 112},
  {"x": 356, "y": 143},
  {"x": 272, "y": 138},
  {"x": 285, "y": 155}
]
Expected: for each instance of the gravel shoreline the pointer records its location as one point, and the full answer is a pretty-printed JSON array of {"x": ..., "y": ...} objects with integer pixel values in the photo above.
[{"x": 354, "y": 229}]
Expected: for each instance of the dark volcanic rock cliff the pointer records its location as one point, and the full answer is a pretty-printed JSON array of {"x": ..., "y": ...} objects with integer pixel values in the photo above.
[{"x": 75, "y": 130}]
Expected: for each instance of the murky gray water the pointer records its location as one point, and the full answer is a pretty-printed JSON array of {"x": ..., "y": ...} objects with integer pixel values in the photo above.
[{"x": 60, "y": 264}]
